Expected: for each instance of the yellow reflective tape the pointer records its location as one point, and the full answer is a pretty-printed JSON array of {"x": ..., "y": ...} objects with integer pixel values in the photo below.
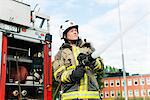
[
  {"x": 81, "y": 85},
  {"x": 76, "y": 51},
  {"x": 59, "y": 70},
  {"x": 81, "y": 95},
  {"x": 71, "y": 67},
  {"x": 85, "y": 82},
  {"x": 65, "y": 76},
  {"x": 98, "y": 64}
]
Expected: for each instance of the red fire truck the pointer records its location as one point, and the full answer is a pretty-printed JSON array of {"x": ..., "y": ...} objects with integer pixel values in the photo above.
[{"x": 25, "y": 53}]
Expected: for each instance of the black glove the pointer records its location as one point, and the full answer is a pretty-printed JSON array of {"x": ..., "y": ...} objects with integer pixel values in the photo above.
[
  {"x": 82, "y": 59},
  {"x": 77, "y": 74},
  {"x": 86, "y": 60}
]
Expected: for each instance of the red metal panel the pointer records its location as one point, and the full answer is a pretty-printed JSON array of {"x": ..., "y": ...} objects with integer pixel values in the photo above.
[
  {"x": 47, "y": 73},
  {"x": 3, "y": 69}
]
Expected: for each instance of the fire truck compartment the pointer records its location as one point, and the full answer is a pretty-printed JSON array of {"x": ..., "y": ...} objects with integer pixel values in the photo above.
[{"x": 24, "y": 72}]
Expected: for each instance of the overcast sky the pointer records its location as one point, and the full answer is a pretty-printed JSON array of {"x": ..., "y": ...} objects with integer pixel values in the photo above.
[{"x": 98, "y": 22}]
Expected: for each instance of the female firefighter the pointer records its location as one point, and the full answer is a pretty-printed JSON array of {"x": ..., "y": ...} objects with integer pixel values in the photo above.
[{"x": 75, "y": 68}]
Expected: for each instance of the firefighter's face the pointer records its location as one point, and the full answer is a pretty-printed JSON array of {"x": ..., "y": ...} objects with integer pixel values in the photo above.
[{"x": 72, "y": 34}]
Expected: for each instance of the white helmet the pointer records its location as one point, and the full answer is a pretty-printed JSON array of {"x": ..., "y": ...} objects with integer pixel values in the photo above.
[{"x": 66, "y": 27}]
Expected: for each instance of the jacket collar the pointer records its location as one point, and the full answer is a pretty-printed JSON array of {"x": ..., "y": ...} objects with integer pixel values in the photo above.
[{"x": 79, "y": 43}]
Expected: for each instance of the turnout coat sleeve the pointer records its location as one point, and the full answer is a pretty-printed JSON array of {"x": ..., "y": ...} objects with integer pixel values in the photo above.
[
  {"x": 63, "y": 65},
  {"x": 58, "y": 66}
]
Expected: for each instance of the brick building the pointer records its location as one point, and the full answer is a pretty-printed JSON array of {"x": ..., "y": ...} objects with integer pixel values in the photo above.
[{"x": 138, "y": 86}]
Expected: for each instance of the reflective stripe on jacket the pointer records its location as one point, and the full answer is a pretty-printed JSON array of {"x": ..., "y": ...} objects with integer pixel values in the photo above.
[
  {"x": 80, "y": 95},
  {"x": 65, "y": 62}
]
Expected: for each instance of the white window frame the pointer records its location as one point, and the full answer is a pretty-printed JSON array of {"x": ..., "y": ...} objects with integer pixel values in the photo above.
[
  {"x": 123, "y": 94},
  {"x": 102, "y": 95},
  {"x": 106, "y": 82},
  {"x": 142, "y": 81},
  {"x": 117, "y": 81},
  {"x": 130, "y": 93},
  {"x": 112, "y": 81},
  {"x": 112, "y": 92},
  {"x": 106, "y": 94},
  {"x": 148, "y": 80},
  {"x": 123, "y": 82},
  {"x": 136, "y": 80},
  {"x": 129, "y": 82},
  {"x": 136, "y": 93},
  {"x": 148, "y": 92},
  {"x": 143, "y": 93},
  {"x": 118, "y": 92}
]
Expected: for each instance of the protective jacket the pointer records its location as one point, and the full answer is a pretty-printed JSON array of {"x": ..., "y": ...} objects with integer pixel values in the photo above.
[{"x": 66, "y": 62}]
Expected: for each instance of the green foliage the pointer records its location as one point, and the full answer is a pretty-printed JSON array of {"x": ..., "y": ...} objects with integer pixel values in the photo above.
[{"x": 111, "y": 69}]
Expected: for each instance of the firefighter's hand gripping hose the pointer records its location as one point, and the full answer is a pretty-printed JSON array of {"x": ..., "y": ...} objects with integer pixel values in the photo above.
[
  {"x": 77, "y": 74},
  {"x": 86, "y": 60}
]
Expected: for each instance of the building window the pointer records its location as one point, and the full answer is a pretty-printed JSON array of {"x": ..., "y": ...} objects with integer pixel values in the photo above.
[
  {"x": 102, "y": 95},
  {"x": 136, "y": 93},
  {"x": 123, "y": 94},
  {"x": 117, "y": 83},
  {"x": 130, "y": 93},
  {"x": 118, "y": 94},
  {"x": 148, "y": 92},
  {"x": 142, "y": 81},
  {"x": 123, "y": 82},
  {"x": 112, "y": 93},
  {"x": 106, "y": 94},
  {"x": 148, "y": 81},
  {"x": 143, "y": 93},
  {"x": 111, "y": 83},
  {"x": 135, "y": 82},
  {"x": 106, "y": 83},
  {"x": 130, "y": 82}
]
